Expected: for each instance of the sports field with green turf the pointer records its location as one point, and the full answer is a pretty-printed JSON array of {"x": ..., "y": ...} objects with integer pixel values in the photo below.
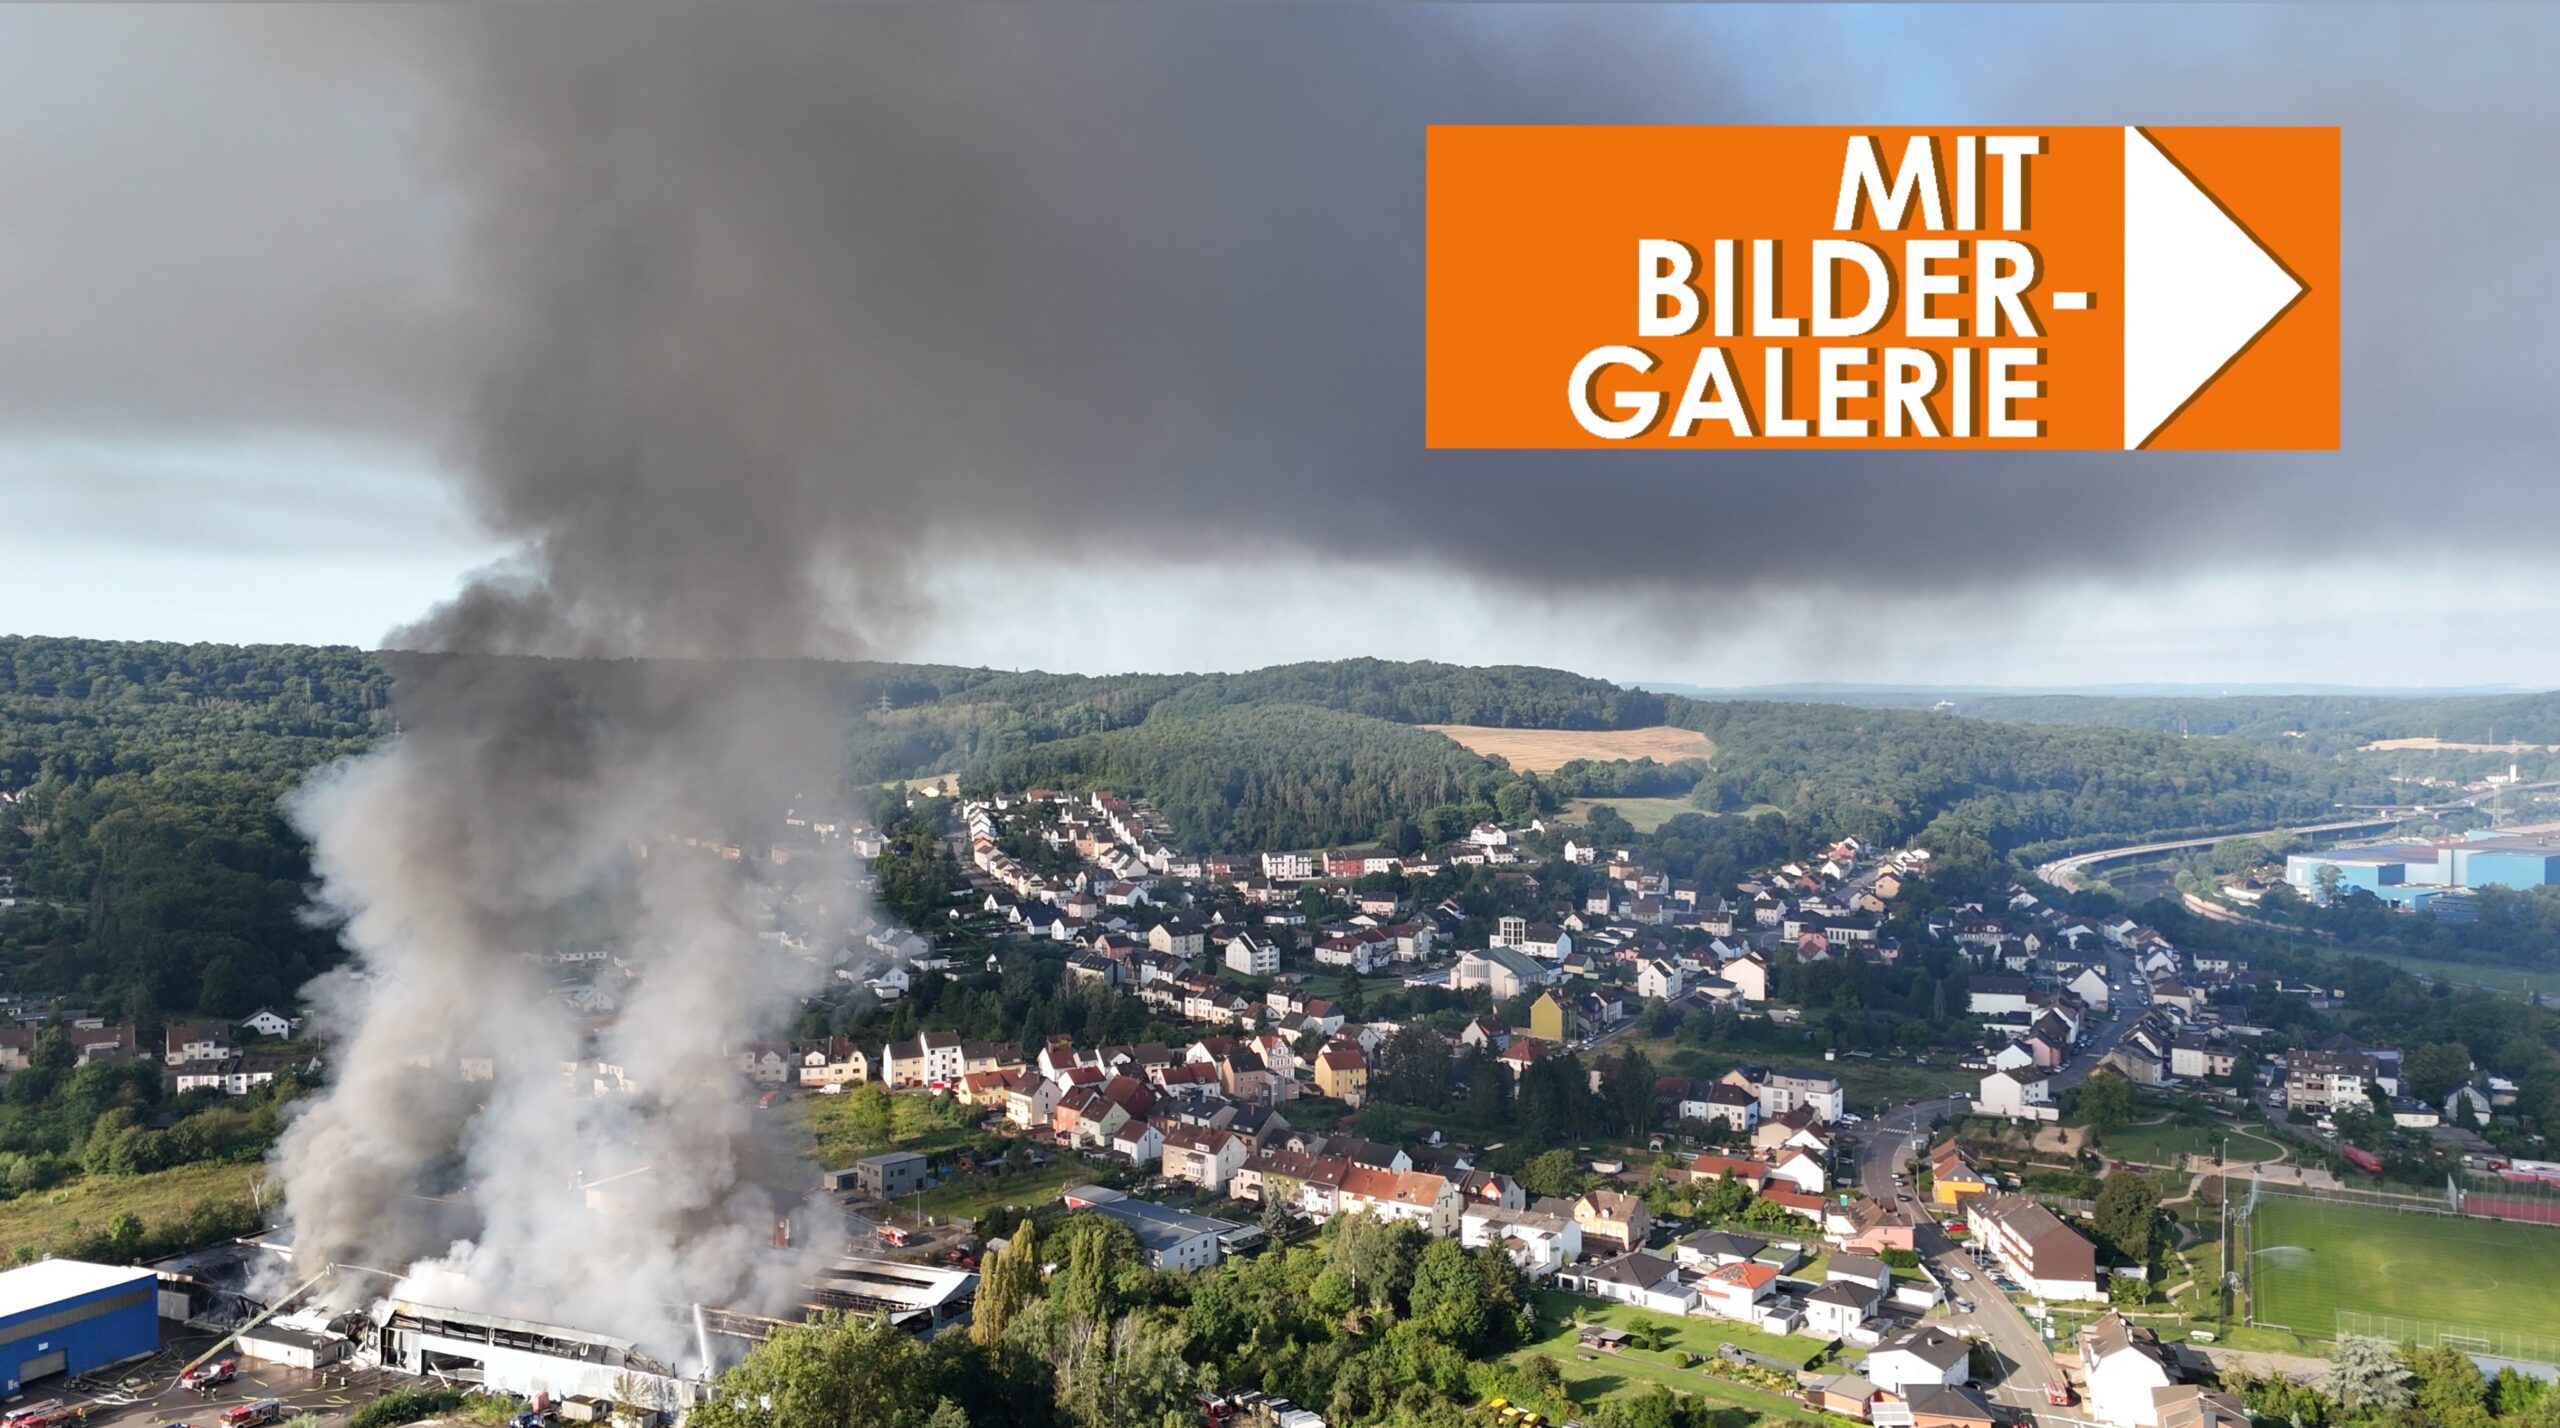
[{"x": 2311, "y": 1258}]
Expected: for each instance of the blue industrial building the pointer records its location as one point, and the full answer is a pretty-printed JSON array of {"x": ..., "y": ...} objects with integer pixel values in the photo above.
[
  {"x": 2413, "y": 875},
  {"x": 61, "y": 1316}
]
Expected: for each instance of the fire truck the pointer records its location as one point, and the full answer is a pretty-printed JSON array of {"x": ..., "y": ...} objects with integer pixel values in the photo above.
[
  {"x": 203, "y": 1377},
  {"x": 51, "y": 1413},
  {"x": 251, "y": 1415},
  {"x": 2057, "y": 1391}
]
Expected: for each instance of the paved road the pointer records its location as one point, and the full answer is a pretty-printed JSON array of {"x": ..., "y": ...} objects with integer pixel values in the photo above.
[{"x": 1898, "y": 1133}]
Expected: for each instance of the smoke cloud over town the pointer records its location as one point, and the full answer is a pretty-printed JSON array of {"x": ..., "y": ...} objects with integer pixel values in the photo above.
[{"x": 723, "y": 323}]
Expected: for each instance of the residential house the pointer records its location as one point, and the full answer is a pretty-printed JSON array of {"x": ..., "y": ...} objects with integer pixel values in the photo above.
[
  {"x": 1550, "y": 1020},
  {"x": 1646, "y": 1280},
  {"x": 2196, "y": 1057},
  {"x": 1753, "y": 1173},
  {"x": 1793, "y": 1087},
  {"x": 1430, "y": 1201},
  {"x": 1920, "y": 1358},
  {"x": 834, "y": 1062},
  {"x": 1178, "y": 937},
  {"x": 1804, "y": 1169},
  {"x": 1735, "y": 1291},
  {"x": 196, "y": 1041},
  {"x": 1138, "y": 1142},
  {"x": 1251, "y": 956},
  {"x": 933, "y": 1056},
  {"x": 1708, "y": 1249},
  {"x": 2089, "y": 984},
  {"x": 1342, "y": 1072},
  {"x": 2189, "y": 1406},
  {"x": 2326, "y": 1080},
  {"x": 1613, "y": 1218},
  {"x": 268, "y": 1022},
  {"x": 1799, "y": 1129},
  {"x": 2048, "y": 1257},
  {"x": 768, "y": 1063},
  {"x": 2017, "y": 1095},
  {"x": 2123, "y": 1363},
  {"x": 1730, "y": 1106},
  {"x": 1952, "y": 1178},
  {"x": 1997, "y": 998},
  {"x": 1750, "y": 975},
  {"x": 1541, "y": 1243},
  {"x": 1848, "y": 1395},
  {"x": 1835, "y": 1310},
  {"x": 1659, "y": 978},
  {"x": 1032, "y": 1102},
  {"x": 1936, "y": 1406},
  {"x": 1203, "y": 1155}
]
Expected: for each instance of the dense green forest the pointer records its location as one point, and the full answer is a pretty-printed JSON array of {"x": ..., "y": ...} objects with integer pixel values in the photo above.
[
  {"x": 1899, "y": 774},
  {"x": 1263, "y": 775},
  {"x": 2333, "y": 727},
  {"x": 144, "y": 819}
]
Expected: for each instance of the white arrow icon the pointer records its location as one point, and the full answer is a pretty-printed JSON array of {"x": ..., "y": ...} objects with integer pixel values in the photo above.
[{"x": 2197, "y": 288}]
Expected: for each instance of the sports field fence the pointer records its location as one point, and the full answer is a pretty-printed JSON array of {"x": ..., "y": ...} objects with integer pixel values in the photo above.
[
  {"x": 2467, "y": 1195},
  {"x": 2479, "y": 1339}
]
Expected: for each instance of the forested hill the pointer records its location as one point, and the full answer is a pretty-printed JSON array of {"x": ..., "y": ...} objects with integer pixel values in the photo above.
[
  {"x": 1503, "y": 696},
  {"x": 143, "y": 779},
  {"x": 2321, "y": 724},
  {"x": 1902, "y": 774},
  {"x": 1251, "y": 776}
]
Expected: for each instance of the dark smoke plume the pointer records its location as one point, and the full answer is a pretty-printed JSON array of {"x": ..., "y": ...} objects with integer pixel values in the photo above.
[{"x": 749, "y": 314}]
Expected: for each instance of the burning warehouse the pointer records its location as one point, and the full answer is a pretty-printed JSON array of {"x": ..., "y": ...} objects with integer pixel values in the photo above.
[
  {"x": 524, "y": 1357},
  {"x": 405, "y": 1333}
]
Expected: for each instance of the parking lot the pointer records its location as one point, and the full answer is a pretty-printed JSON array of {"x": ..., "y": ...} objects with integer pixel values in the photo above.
[{"x": 144, "y": 1393}]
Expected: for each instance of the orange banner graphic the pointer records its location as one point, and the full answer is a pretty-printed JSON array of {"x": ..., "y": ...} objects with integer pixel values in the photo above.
[{"x": 1826, "y": 288}]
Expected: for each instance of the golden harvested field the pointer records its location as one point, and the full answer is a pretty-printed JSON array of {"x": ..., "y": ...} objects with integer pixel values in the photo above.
[{"x": 1544, "y": 750}]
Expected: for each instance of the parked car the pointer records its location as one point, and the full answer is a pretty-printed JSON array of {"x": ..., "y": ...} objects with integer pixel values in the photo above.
[{"x": 1964, "y": 1306}]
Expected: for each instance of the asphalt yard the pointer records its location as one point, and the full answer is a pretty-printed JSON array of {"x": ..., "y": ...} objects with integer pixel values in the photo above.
[{"x": 144, "y": 1393}]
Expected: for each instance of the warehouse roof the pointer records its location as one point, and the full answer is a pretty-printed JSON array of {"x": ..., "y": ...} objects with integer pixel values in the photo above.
[{"x": 48, "y": 1282}]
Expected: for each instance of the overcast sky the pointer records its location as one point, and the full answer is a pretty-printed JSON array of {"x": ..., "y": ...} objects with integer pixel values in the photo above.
[{"x": 1092, "y": 341}]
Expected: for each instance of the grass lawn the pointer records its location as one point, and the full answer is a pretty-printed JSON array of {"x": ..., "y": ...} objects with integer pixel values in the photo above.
[
  {"x": 1642, "y": 814},
  {"x": 2312, "y": 1258},
  {"x": 2491, "y": 975},
  {"x": 2166, "y": 1143},
  {"x": 1598, "y": 1375},
  {"x": 1870, "y": 1083},
  {"x": 1696, "y": 1333},
  {"x": 1867, "y": 1082},
  {"x": 965, "y": 1197},
  {"x": 50, "y": 1217}
]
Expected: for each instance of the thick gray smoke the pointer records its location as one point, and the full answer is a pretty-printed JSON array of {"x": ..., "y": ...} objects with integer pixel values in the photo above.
[
  {"x": 608, "y": 1163},
  {"x": 749, "y": 314},
  {"x": 1148, "y": 279}
]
